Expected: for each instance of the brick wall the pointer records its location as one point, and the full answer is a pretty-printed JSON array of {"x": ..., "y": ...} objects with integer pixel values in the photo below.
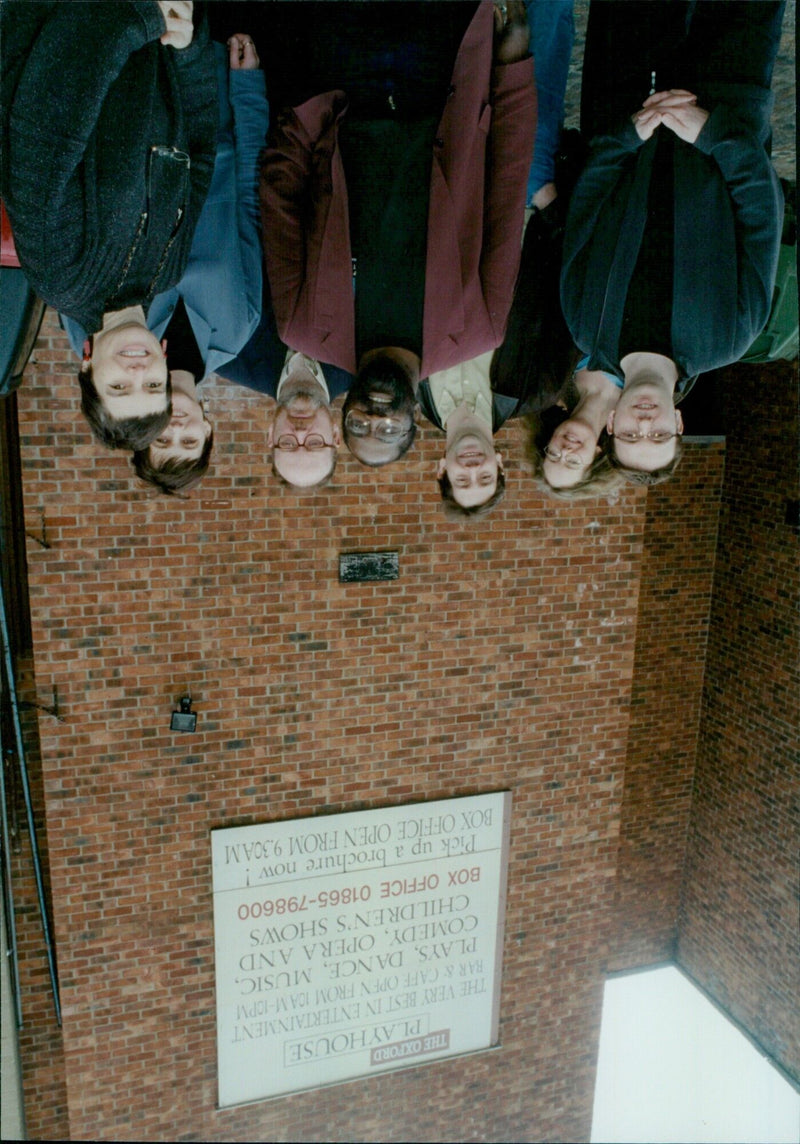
[
  {"x": 680, "y": 536},
  {"x": 739, "y": 921},
  {"x": 40, "y": 1039},
  {"x": 502, "y": 657}
]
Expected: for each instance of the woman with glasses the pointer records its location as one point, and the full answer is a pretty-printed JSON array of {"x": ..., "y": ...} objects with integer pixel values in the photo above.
[{"x": 568, "y": 443}]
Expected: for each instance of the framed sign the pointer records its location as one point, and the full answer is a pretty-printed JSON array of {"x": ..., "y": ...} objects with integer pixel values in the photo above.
[{"x": 357, "y": 943}]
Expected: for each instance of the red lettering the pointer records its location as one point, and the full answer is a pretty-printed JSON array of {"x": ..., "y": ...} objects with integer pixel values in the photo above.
[{"x": 462, "y": 876}]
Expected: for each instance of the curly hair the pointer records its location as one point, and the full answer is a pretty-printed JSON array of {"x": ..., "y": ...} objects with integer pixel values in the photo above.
[
  {"x": 642, "y": 476},
  {"x": 455, "y": 511},
  {"x": 600, "y": 478},
  {"x": 134, "y": 433},
  {"x": 173, "y": 475}
]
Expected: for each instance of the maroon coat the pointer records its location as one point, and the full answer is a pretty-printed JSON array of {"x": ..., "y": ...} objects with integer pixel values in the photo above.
[{"x": 479, "y": 175}]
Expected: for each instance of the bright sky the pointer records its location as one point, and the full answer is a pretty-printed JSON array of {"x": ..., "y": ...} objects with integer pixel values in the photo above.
[{"x": 673, "y": 1069}]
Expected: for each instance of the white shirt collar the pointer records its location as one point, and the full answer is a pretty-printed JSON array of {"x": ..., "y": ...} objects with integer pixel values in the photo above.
[
  {"x": 295, "y": 360},
  {"x": 467, "y": 383}
]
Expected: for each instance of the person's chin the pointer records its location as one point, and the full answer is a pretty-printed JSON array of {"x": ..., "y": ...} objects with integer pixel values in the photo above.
[
  {"x": 469, "y": 441},
  {"x": 645, "y": 461},
  {"x": 564, "y": 478},
  {"x": 374, "y": 456},
  {"x": 304, "y": 476},
  {"x": 488, "y": 494}
]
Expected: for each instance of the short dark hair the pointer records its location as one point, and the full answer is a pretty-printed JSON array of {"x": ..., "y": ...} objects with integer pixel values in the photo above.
[
  {"x": 120, "y": 432},
  {"x": 454, "y": 510},
  {"x": 380, "y": 370},
  {"x": 174, "y": 475},
  {"x": 642, "y": 476}
]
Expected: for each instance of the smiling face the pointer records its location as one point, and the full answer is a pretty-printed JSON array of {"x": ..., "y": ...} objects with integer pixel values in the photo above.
[
  {"x": 303, "y": 436},
  {"x": 472, "y": 467},
  {"x": 378, "y": 416},
  {"x": 569, "y": 453},
  {"x": 645, "y": 426},
  {"x": 185, "y": 436},
  {"x": 129, "y": 371}
]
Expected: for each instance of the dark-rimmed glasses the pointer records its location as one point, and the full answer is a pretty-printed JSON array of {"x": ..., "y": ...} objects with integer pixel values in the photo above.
[{"x": 288, "y": 443}]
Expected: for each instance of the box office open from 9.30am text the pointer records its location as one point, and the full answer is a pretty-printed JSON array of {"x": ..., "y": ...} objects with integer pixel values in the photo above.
[{"x": 357, "y": 943}]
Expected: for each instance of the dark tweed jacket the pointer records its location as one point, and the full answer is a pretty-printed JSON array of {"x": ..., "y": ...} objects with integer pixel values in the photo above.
[{"x": 108, "y": 150}]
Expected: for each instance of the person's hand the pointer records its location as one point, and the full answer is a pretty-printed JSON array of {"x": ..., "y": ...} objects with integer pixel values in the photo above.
[
  {"x": 178, "y": 18},
  {"x": 687, "y": 121},
  {"x": 676, "y": 109},
  {"x": 242, "y": 54},
  {"x": 645, "y": 123},
  {"x": 511, "y": 32},
  {"x": 544, "y": 196},
  {"x": 675, "y": 97},
  {"x": 653, "y": 108}
]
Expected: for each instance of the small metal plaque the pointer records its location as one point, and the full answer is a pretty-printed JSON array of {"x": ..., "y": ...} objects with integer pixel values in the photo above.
[{"x": 368, "y": 566}]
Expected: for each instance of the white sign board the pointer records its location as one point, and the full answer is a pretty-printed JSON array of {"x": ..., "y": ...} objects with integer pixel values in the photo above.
[{"x": 353, "y": 944}]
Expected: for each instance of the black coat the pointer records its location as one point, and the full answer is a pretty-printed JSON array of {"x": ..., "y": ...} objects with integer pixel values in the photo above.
[
  {"x": 108, "y": 150},
  {"x": 728, "y": 209}
]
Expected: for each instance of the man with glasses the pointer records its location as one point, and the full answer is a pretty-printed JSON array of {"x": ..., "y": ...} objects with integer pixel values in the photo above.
[
  {"x": 645, "y": 425},
  {"x": 379, "y": 409},
  {"x": 393, "y": 202},
  {"x": 304, "y": 435}
]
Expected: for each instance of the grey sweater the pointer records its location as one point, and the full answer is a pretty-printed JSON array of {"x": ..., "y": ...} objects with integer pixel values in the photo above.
[{"x": 108, "y": 150}]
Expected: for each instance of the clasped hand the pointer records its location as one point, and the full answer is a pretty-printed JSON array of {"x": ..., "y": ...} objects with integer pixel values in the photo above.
[{"x": 676, "y": 109}]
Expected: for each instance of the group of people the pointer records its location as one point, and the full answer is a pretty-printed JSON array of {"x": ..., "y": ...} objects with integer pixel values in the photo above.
[{"x": 365, "y": 241}]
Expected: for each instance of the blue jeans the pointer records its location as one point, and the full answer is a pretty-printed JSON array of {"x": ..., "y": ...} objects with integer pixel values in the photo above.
[{"x": 552, "y": 34}]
